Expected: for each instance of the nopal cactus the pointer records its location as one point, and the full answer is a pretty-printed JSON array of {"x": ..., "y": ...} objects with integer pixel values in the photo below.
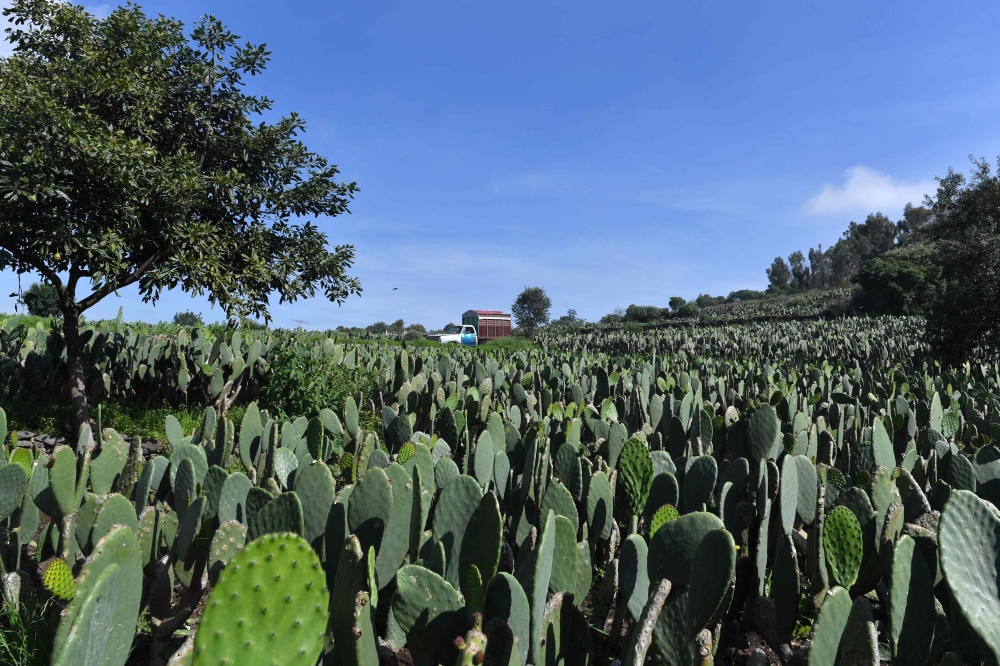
[{"x": 269, "y": 606}]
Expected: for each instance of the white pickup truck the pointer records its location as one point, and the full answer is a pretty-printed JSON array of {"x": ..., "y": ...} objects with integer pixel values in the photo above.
[{"x": 460, "y": 335}]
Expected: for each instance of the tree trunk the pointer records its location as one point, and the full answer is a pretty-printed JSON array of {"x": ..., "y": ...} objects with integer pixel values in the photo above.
[{"x": 80, "y": 412}]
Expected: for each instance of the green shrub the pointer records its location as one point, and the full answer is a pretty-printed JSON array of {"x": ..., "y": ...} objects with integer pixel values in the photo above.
[{"x": 303, "y": 380}]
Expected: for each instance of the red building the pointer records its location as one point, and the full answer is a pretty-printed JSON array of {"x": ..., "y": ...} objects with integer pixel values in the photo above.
[{"x": 490, "y": 324}]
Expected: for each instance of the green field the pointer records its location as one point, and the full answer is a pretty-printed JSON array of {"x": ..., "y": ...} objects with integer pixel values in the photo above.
[{"x": 678, "y": 491}]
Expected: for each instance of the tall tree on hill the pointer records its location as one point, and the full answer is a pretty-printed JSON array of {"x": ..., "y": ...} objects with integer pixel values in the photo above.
[
  {"x": 531, "y": 309},
  {"x": 779, "y": 275},
  {"x": 966, "y": 229},
  {"x": 800, "y": 272},
  {"x": 131, "y": 154}
]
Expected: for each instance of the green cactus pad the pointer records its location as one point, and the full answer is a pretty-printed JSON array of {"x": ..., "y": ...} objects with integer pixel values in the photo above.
[
  {"x": 406, "y": 452},
  {"x": 785, "y": 587},
  {"x": 559, "y": 500},
  {"x": 315, "y": 489},
  {"x": 282, "y": 514},
  {"x": 108, "y": 463},
  {"x": 600, "y": 506},
  {"x": 763, "y": 432},
  {"x": 564, "y": 557},
  {"x": 482, "y": 459},
  {"x": 285, "y": 464},
  {"x": 533, "y": 575},
  {"x": 62, "y": 479},
  {"x": 633, "y": 580},
  {"x": 663, "y": 515},
  {"x": 227, "y": 542},
  {"x": 370, "y": 508},
  {"x": 882, "y": 446},
  {"x": 642, "y": 636},
  {"x": 831, "y": 619},
  {"x": 506, "y": 600},
  {"x": 269, "y": 606},
  {"x": 566, "y": 633},
  {"x": 483, "y": 540},
  {"x": 429, "y": 612},
  {"x": 454, "y": 509},
  {"x": 351, "y": 578},
  {"x": 969, "y": 547},
  {"x": 788, "y": 493},
  {"x": 13, "y": 483},
  {"x": 712, "y": 573},
  {"x": 911, "y": 605},
  {"x": 23, "y": 458},
  {"x": 663, "y": 490},
  {"x": 396, "y": 536},
  {"x": 115, "y": 510},
  {"x": 194, "y": 453},
  {"x": 671, "y": 640},
  {"x": 444, "y": 472},
  {"x": 635, "y": 470},
  {"x": 673, "y": 548},
  {"x": 233, "y": 498},
  {"x": 473, "y": 590},
  {"x": 58, "y": 579},
  {"x": 90, "y": 637},
  {"x": 699, "y": 483},
  {"x": 118, "y": 549},
  {"x": 843, "y": 546},
  {"x": 807, "y": 480}
]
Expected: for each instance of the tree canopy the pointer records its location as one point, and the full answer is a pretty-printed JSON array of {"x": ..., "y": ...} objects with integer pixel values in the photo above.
[
  {"x": 531, "y": 309},
  {"x": 130, "y": 153}
]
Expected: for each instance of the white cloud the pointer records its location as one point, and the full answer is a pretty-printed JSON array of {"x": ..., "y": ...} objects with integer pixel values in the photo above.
[{"x": 866, "y": 190}]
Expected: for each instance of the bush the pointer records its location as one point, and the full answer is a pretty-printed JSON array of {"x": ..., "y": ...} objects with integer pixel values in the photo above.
[
  {"x": 413, "y": 334},
  {"x": 41, "y": 300},
  {"x": 643, "y": 314},
  {"x": 744, "y": 295},
  {"x": 303, "y": 380},
  {"x": 188, "y": 319},
  {"x": 906, "y": 281},
  {"x": 687, "y": 310}
]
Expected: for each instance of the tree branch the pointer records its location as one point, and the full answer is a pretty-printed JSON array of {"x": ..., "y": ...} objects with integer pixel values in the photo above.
[
  {"x": 49, "y": 274},
  {"x": 131, "y": 278}
]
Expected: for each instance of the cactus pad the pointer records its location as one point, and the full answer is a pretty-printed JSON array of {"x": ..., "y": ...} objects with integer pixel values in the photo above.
[
  {"x": 429, "y": 612},
  {"x": 635, "y": 468},
  {"x": 672, "y": 549},
  {"x": 13, "y": 482},
  {"x": 663, "y": 515},
  {"x": 269, "y": 607},
  {"x": 229, "y": 540},
  {"x": 58, "y": 579},
  {"x": 842, "y": 544},
  {"x": 969, "y": 542},
  {"x": 406, "y": 452}
]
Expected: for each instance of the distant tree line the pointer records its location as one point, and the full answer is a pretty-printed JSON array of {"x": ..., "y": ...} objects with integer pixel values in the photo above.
[
  {"x": 841, "y": 263},
  {"x": 941, "y": 260},
  {"x": 678, "y": 307}
]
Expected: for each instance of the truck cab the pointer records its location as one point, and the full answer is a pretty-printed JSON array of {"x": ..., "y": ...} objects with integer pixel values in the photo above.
[{"x": 462, "y": 335}]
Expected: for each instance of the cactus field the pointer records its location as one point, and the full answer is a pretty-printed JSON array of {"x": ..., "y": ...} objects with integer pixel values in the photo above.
[{"x": 818, "y": 492}]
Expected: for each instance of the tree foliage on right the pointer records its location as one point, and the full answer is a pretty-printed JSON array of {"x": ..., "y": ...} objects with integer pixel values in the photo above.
[
  {"x": 966, "y": 230},
  {"x": 531, "y": 309}
]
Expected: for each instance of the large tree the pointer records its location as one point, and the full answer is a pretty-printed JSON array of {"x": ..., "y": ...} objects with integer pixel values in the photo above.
[
  {"x": 966, "y": 229},
  {"x": 130, "y": 154},
  {"x": 531, "y": 309}
]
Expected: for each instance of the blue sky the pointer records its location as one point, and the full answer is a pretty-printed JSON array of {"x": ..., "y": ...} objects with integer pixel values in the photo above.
[{"x": 612, "y": 153}]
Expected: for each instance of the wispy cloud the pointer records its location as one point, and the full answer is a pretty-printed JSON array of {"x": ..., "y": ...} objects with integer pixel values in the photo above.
[
  {"x": 868, "y": 190},
  {"x": 531, "y": 181}
]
